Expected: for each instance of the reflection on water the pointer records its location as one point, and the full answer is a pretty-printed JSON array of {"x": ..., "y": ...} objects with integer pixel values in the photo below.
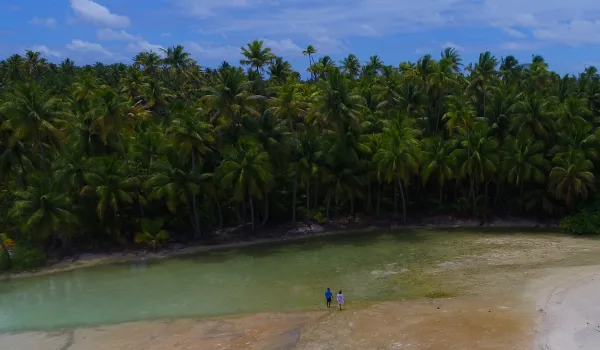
[{"x": 373, "y": 266}]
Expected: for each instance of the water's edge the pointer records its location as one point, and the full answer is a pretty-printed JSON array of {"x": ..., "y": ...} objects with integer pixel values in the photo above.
[{"x": 102, "y": 259}]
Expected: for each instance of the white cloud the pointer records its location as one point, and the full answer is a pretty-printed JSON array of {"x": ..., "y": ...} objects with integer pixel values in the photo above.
[
  {"x": 45, "y": 22},
  {"x": 86, "y": 46},
  {"x": 573, "y": 22},
  {"x": 283, "y": 47},
  {"x": 108, "y": 34},
  {"x": 143, "y": 46},
  {"x": 98, "y": 14},
  {"x": 519, "y": 46},
  {"x": 514, "y": 33},
  {"x": 205, "y": 8},
  {"x": 452, "y": 45},
  {"x": 573, "y": 33},
  {"x": 368, "y": 30},
  {"x": 211, "y": 51},
  {"x": 45, "y": 50}
]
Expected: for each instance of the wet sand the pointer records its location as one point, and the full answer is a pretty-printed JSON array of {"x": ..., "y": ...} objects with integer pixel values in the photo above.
[
  {"x": 569, "y": 310},
  {"x": 462, "y": 323},
  {"x": 517, "y": 298}
]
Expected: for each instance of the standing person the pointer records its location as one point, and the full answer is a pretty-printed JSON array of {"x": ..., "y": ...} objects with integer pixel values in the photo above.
[
  {"x": 328, "y": 295},
  {"x": 340, "y": 299}
]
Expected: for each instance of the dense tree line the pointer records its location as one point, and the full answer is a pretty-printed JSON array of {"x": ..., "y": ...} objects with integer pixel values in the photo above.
[{"x": 166, "y": 148}]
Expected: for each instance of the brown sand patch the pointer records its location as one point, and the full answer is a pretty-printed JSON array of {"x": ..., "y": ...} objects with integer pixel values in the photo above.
[
  {"x": 262, "y": 331},
  {"x": 458, "y": 323}
]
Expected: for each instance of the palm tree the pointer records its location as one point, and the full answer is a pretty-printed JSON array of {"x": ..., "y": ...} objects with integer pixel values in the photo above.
[
  {"x": 571, "y": 178},
  {"x": 534, "y": 118},
  {"x": 482, "y": 76},
  {"x": 34, "y": 64},
  {"x": 150, "y": 62},
  {"x": 452, "y": 56},
  {"x": 36, "y": 117},
  {"x": 152, "y": 233},
  {"x": 525, "y": 162},
  {"x": 190, "y": 137},
  {"x": 479, "y": 159},
  {"x": 438, "y": 161},
  {"x": 336, "y": 106},
  {"x": 351, "y": 66},
  {"x": 256, "y": 56},
  {"x": 288, "y": 103},
  {"x": 175, "y": 58},
  {"x": 397, "y": 157},
  {"x": 461, "y": 114},
  {"x": 310, "y": 154},
  {"x": 247, "y": 168},
  {"x": 309, "y": 51},
  {"x": 227, "y": 98},
  {"x": 281, "y": 70},
  {"x": 108, "y": 182},
  {"x": 41, "y": 212},
  {"x": 177, "y": 186},
  {"x": 115, "y": 115}
]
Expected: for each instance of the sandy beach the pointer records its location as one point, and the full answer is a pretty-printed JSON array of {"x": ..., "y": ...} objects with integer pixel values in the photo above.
[{"x": 526, "y": 293}]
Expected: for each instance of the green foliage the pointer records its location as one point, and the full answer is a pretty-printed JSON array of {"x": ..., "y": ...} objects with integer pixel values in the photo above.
[
  {"x": 90, "y": 155},
  {"x": 152, "y": 233},
  {"x": 24, "y": 257},
  {"x": 586, "y": 221}
]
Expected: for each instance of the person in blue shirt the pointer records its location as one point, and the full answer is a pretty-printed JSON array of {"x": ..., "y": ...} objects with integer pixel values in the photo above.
[{"x": 328, "y": 296}]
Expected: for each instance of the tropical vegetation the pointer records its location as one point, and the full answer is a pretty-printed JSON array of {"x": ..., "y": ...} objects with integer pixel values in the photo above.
[{"x": 165, "y": 150}]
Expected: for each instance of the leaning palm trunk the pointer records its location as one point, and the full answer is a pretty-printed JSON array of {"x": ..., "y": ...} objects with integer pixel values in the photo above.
[
  {"x": 251, "y": 209},
  {"x": 403, "y": 200},
  {"x": 266, "y": 218},
  {"x": 395, "y": 198},
  {"x": 294, "y": 199},
  {"x": 307, "y": 200},
  {"x": 219, "y": 211},
  {"x": 197, "y": 231},
  {"x": 378, "y": 197}
]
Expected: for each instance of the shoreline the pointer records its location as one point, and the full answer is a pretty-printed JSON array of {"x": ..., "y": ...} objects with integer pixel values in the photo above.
[{"x": 301, "y": 232}]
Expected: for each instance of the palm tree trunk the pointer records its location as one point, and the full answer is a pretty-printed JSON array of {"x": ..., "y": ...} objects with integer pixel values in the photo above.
[
  {"x": 395, "y": 198},
  {"x": 521, "y": 197},
  {"x": 5, "y": 253},
  {"x": 266, "y": 218},
  {"x": 307, "y": 200},
  {"x": 485, "y": 200},
  {"x": 197, "y": 230},
  {"x": 327, "y": 207},
  {"x": 403, "y": 200},
  {"x": 441, "y": 193},
  {"x": 378, "y": 196},
  {"x": 219, "y": 210},
  {"x": 316, "y": 196},
  {"x": 294, "y": 198},
  {"x": 251, "y": 209},
  {"x": 244, "y": 210},
  {"x": 352, "y": 205},
  {"x": 369, "y": 198}
]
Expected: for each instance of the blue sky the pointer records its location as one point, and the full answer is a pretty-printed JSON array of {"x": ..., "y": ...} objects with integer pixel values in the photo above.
[{"x": 566, "y": 33}]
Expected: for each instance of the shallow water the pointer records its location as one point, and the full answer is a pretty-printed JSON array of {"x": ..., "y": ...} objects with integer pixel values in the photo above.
[{"x": 288, "y": 276}]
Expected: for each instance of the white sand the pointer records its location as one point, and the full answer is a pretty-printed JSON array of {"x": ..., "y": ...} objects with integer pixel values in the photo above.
[{"x": 569, "y": 309}]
